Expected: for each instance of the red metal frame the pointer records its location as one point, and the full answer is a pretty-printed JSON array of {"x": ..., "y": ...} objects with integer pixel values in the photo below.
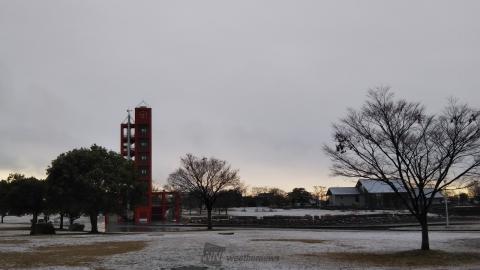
[{"x": 163, "y": 206}]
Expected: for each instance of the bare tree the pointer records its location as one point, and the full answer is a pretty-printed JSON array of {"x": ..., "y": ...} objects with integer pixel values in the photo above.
[
  {"x": 417, "y": 154},
  {"x": 244, "y": 190},
  {"x": 205, "y": 176},
  {"x": 258, "y": 190},
  {"x": 320, "y": 192},
  {"x": 474, "y": 189}
]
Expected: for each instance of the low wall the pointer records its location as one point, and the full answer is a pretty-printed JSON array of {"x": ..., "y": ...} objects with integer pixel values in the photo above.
[
  {"x": 465, "y": 211},
  {"x": 327, "y": 220}
]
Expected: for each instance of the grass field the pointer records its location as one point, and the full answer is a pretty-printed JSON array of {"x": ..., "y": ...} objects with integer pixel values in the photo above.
[{"x": 66, "y": 255}]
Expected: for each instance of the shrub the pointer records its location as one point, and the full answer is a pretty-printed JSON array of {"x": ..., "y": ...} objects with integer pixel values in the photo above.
[
  {"x": 43, "y": 228},
  {"x": 76, "y": 227}
]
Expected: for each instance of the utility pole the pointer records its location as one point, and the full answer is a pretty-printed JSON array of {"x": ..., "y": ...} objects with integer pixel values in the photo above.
[{"x": 446, "y": 205}]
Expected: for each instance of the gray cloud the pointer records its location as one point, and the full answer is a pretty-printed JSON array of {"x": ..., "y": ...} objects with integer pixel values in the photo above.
[{"x": 255, "y": 82}]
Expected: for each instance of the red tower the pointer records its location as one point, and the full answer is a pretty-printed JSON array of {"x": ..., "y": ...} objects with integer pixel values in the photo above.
[{"x": 136, "y": 145}]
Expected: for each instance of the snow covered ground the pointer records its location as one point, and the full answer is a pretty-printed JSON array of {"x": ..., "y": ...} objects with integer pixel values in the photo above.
[
  {"x": 186, "y": 249},
  {"x": 244, "y": 248},
  {"x": 173, "y": 250}
]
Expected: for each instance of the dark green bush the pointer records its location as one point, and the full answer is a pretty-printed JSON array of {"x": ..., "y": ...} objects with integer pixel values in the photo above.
[
  {"x": 42, "y": 228},
  {"x": 76, "y": 227}
]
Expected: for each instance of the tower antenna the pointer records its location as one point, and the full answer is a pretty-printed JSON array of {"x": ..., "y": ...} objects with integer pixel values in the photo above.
[{"x": 129, "y": 135}]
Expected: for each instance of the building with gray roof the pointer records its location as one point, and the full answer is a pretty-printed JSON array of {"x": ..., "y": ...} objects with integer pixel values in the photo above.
[{"x": 373, "y": 194}]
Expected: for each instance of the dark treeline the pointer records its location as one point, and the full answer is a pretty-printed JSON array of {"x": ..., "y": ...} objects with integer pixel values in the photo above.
[
  {"x": 93, "y": 181},
  {"x": 258, "y": 197},
  {"x": 85, "y": 181}
]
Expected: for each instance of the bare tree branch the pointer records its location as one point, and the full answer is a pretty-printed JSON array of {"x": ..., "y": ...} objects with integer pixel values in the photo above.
[
  {"x": 204, "y": 176},
  {"x": 391, "y": 140}
]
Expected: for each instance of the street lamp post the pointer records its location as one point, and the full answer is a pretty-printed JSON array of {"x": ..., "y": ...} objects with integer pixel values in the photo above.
[{"x": 446, "y": 206}]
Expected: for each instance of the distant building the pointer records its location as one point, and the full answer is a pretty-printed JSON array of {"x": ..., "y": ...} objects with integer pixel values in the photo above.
[
  {"x": 372, "y": 194},
  {"x": 345, "y": 196}
]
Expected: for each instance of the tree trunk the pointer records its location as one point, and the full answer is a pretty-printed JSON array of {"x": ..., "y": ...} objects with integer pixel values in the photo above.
[
  {"x": 209, "y": 218},
  {"x": 61, "y": 221},
  {"x": 34, "y": 223},
  {"x": 424, "y": 225},
  {"x": 70, "y": 220},
  {"x": 2, "y": 218},
  {"x": 93, "y": 222}
]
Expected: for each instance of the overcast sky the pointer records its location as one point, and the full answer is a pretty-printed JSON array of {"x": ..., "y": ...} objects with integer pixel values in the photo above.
[{"x": 257, "y": 83}]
